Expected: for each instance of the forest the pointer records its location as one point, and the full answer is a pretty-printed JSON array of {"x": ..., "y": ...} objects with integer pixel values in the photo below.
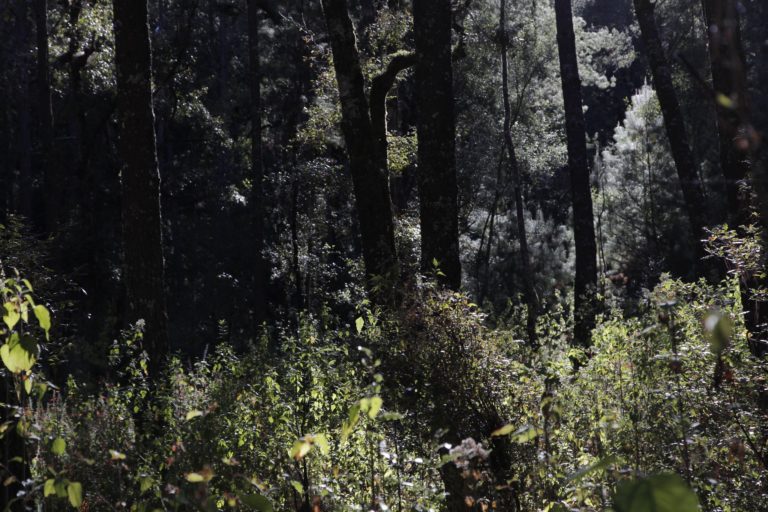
[{"x": 384, "y": 255}]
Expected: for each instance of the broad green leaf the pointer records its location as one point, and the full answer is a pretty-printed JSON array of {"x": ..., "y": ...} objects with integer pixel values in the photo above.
[
  {"x": 11, "y": 316},
  {"x": 195, "y": 478},
  {"x": 659, "y": 493},
  {"x": 300, "y": 448},
  {"x": 49, "y": 489},
  {"x": 297, "y": 485},
  {"x": 145, "y": 483},
  {"x": 375, "y": 407},
  {"x": 20, "y": 353},
  {"x": 256, "y": 502},
  {"x": 526, "y": 433},
  {"x": 43, "y": 318},
  {"x": 75, "y": 494},
  {"x": 321, "y": 441},
  {"x": 359, "y": 323},
  {"x": 59, "y": 446}
]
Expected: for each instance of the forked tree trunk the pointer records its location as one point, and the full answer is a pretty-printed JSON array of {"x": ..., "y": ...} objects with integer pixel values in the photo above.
[
  {"x": 369, "y": 170},
  {"x": 436, "y": 132},
  {"x": 586, "y": 303},
  {"x": 142, "y": 223}
]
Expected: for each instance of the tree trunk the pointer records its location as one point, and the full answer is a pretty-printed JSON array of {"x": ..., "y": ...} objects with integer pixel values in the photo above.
[
  {"x": 517, "y": 179},
  {"x": 369, "y": 171},
  {"x": 52, "y": 183},
  {"x": 23, "y": 109},
  {"x": 586, "y": 304},
  {"x": 260, "y": 270},
  {"x": 738, "y": 146},
  {"x": 674, "y": 125},
  {"x": 436, "y": 131},
  {"x": 142, "y": 223}
]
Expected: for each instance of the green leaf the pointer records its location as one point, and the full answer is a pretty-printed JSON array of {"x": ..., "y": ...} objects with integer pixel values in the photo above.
[
  {"x": 321, "y": 441},
  {"x": 297, "y": 485},
  {"x": 300, "y": 448},
  {"x": 256, "y": 502},
  {"x": 59, "y": 446},
  {"x": 503, "y": 431},
  {"x": 49, "y": 489},
  {"x": 20, "y": 353},
  {"x": 75, "y": 494},
  {"x": 193, "y": 414},
  {"x": 659, "y": 493},
  {"x": 11, "y": 316},
  {"x": 375, "y": 407},
  {"x": 43, "y": 318},
  {"x": 195, "y": 478},
  {"x": 359, "y": 323},
  {"x": 116, "y": 455},
  {"x": 526, "y": 433}
]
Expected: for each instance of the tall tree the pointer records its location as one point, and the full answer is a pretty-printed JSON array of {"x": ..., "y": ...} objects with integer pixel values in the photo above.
[
  {"x": 260, "y": 268},
  {"x": 368, "y": 169},
  {"x": 140, "y": 178},
  {"x": 436, "y": 132},
  {"x": 586, "y": 303},
  {"x": 673, "y": 123},
  {"x": 515, "y": 171},
  {"x": 45, "y": 119},
  {"x": 23, "y": 103},
  {"x": 738, "y": 145}
]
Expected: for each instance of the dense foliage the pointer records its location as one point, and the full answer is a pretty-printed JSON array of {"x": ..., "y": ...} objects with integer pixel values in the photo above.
[{"x": 369, "y": 255}]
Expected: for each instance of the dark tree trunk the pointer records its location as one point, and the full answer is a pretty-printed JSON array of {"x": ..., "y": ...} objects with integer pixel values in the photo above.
[
  {"x": 586, "y": 304},
  {"x": 674, "y": 125},
  {"x": 142, "y": 223},
  {"x": 51, "y": 181},
  {"x": 738, "y": 146},
  {"x": 436, "y": 131},
  {"x": 6, "y": 178},
  {"x": 729, "y": 81},
  {"x": 260, "y": 268},
  {"x": 23, "y": 108},
  {"x": 369, "y": 172},
  {"x": 517, "y": 179}
]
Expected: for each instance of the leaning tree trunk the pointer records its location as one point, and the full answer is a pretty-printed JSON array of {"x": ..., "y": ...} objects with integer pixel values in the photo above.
[
  {"x": 369, "y": 170},
  {"x": 525, "y": 257},
  {"x": 142, "y": 223},
  {"x": 586, "y": 303},
  {"x": 436, "y": 132},
  {"x": 674, "y": 124}
]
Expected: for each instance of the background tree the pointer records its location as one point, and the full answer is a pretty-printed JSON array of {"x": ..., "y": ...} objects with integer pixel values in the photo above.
[
  {"x": 585, "y": 304},
  {"x": 142, "y": 222},
  {"x": 436, "y": 129}
]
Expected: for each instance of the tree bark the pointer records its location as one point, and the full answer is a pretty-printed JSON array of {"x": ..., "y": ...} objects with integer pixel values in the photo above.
[
  {"x": 674, "y": 125},
  {"x": 23, "y": 109},
  {"x": 529, "y": 291},
  {"x": 260, "y": 270},
  {"x": 52, "y": 183},
  {"x": 369, "y": 171},
  {"x": 586, "y": 303},
  {"x": 142, "y": 223},
  {"x": 436, "y": 132}
]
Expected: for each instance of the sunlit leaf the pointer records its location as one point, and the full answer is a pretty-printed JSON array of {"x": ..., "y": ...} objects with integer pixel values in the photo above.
[
  {"x": 20, "y": 353},
  {"x": 75, "y": 494},
  {"x": 59, "y": 446}
]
